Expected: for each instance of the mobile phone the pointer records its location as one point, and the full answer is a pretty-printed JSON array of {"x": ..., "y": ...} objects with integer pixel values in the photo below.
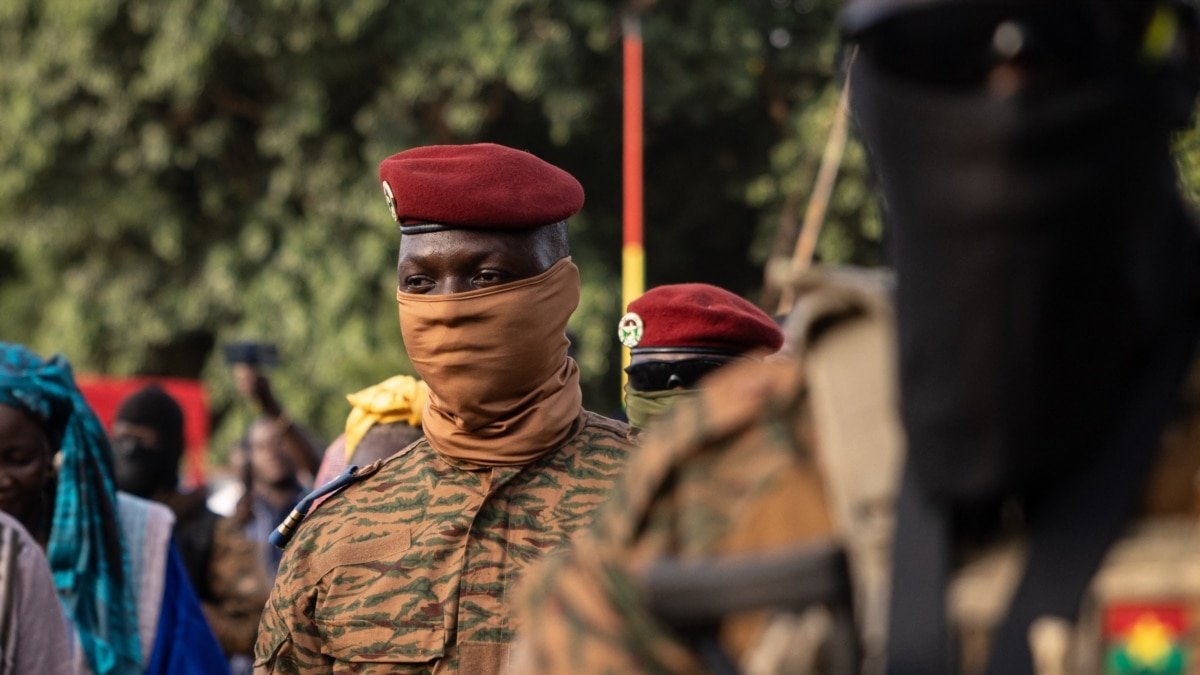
[{"x": 251, "y": 353}]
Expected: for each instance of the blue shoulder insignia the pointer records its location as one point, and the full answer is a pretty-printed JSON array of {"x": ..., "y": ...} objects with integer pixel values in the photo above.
[{"x": 280, "y": 537}]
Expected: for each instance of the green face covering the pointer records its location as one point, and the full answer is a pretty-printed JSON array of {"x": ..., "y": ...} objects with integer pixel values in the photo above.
[{"x": 643, "y": 407}]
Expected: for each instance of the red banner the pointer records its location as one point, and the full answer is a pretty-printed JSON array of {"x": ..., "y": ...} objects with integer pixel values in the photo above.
[{"x": 105, "y": 395}]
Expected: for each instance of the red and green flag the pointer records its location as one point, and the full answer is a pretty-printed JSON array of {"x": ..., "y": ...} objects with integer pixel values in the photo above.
[{"x": 1145, "y": 639}]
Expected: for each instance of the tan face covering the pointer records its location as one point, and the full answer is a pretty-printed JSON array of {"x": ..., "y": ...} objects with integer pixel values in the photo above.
[{"x": 502, "y": 390}]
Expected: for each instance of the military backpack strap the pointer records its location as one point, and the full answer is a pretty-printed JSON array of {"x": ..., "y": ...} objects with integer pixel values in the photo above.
[
  {"x": 280, "y": 537},
  {"x": 842, "y": 329},
  {"x": 918, "y": 639}
]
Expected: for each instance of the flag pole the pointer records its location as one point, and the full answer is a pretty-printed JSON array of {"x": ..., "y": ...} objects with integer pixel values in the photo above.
[{"x": 633, "y": 261}]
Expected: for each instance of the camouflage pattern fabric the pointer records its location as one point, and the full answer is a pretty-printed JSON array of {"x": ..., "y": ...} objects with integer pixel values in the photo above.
[
  {"x": 709, "y": 480},
  {"x": 411, "y": 570},
  {"x": 728, "y": 472}
]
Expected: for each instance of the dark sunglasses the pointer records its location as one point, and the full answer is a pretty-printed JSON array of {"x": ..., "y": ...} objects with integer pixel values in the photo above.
[
  {"x": 958, "y": 44},
  {"x": 664, "y": 375}
]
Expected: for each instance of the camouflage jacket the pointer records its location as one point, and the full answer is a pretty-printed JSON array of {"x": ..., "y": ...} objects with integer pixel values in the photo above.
[
  {"x": 727, "y": 472},
  {"x": 736, "y": 471},
  {"x": 410, "y": 570}
]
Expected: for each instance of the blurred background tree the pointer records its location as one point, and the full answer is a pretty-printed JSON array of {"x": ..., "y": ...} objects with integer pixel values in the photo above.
[{"x": 177, "y": 174}]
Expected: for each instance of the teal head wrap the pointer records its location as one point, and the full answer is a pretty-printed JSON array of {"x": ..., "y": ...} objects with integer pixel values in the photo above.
[{"x": 87, "y": 556}]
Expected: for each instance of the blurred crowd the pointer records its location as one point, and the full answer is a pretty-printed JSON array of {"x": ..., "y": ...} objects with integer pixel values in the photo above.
[{"x": 172, "y": 579}]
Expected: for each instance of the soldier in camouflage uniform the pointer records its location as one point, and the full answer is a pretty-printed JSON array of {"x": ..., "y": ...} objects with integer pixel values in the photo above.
[
  {"x": 411, "y": 567},
  {"x": 734, "y": 471},
  {"x": 1047, "y": 290},
  {"x": 678, "y": 334},
  {"x": 773, "y": 456},
  {"x": 721, "y": 475}
]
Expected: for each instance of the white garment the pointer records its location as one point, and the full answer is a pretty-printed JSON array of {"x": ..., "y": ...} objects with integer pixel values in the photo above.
[
  {"x": 146, "y": 527},
  {"x": 35, "y": 634}
]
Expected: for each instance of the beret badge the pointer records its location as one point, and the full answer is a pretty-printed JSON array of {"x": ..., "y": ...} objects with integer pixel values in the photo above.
[
  {"x": 630, "y": 330},
  {"x": 391, "y": 201}
]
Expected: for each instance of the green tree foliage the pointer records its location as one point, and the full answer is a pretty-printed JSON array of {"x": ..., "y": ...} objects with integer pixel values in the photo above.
[{"x": 175, "y": 174}]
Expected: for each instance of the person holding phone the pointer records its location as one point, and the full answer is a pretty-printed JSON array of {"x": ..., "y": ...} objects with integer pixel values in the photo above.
[
  {"x": 248, "y": 361},
  {"x": 276, "y": 457}
]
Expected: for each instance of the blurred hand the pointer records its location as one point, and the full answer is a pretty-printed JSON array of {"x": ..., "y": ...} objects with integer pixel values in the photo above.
[{"x": 254, "y": 385}]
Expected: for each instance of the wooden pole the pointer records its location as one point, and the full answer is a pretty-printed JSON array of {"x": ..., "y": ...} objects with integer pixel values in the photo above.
[{"x": 818, "y": 202}]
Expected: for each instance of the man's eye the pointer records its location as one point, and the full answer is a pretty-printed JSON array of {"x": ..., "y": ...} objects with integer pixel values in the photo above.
[
  {"x": 417, "y": 284},
  {"x": 488, "y": 277}
]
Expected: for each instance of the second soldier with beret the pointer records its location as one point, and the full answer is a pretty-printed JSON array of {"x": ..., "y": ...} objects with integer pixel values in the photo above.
[
  {"x": 678, "y": 334},
  {"x": 409, "y": 569}
]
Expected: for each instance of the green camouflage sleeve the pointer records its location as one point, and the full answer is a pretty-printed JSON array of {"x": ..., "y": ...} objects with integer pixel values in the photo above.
[
  {"x": 726, "y": 473},
  {"x": 589, "y": 619}
]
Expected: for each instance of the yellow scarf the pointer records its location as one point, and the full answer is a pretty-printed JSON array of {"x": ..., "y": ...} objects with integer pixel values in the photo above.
[{"x": 396, "y": 399}]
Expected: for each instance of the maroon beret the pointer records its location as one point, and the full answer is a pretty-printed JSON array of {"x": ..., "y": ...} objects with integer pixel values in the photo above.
[
  {"x": 697, "y": 317},
  {"x": 484, "y": 185}
]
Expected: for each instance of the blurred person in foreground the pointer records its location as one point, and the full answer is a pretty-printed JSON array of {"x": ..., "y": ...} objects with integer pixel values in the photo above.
[
  {"x": 223, "y": 565},
  {"x": 1046, "y": 312},
  {"x": 384, "y": 419},
  {"x": 410, "y": 567},
  {"x": 736, "y": 475},
  {"x": 118, "y": 574},
  {"x": 1047, "y": 288},
  {"x": 678, "y": 334},
  {"x": 35, "y": 635}
]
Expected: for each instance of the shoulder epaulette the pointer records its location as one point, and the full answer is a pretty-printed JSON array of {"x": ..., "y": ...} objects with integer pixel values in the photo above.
[{"x": 280, "y": 537}]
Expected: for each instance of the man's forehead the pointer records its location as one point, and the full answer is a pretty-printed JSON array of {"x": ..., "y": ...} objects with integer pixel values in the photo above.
[{"x": 462, "y": 242}]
